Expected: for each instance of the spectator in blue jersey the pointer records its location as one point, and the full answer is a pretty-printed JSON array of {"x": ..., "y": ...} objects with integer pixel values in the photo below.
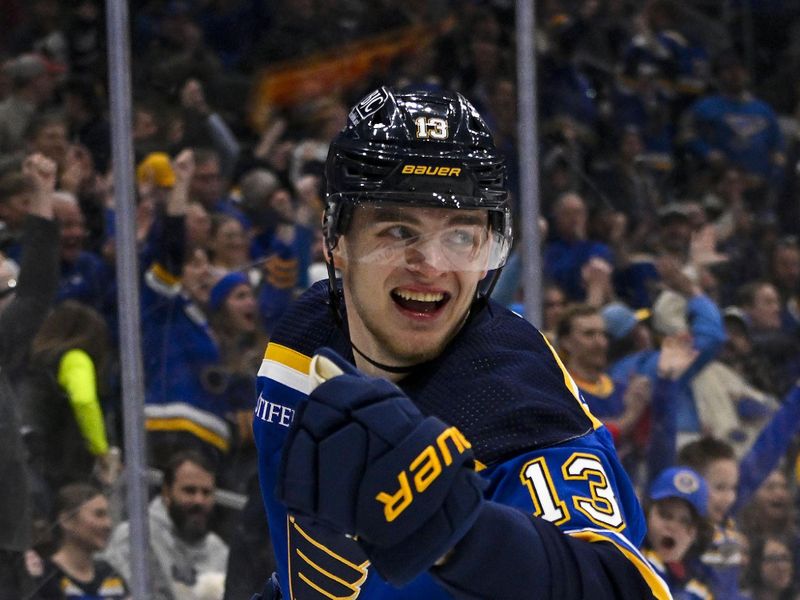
[
  {"x": 185, "y": 396},
  {"x": 568, "y": 106},
  {"x": 569, "y": 249},
  {"x": 84, "y": 275},
  {"x": 734, "y": 128},
  {"x": 770, "y": 572},
  {"x": 239, "y": 335},
  {"x": 678, "y": 531},
  {"x": 620, "y": 404},
  {"x": 680, "y": 309},
  {"x": 74, "y": 572},
  {"x": 281, "y": 244}
]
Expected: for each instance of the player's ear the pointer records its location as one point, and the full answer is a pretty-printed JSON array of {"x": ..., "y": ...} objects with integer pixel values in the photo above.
[{"x": 337, "y": 255}]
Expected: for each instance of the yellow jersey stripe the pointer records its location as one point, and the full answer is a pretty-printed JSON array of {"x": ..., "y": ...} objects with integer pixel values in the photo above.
[
  {"x": 654, "y": 582},
  {"x": 181, "y": 424},
  {"x": 571, "y": 385},
  {"x": 286, "y": 356}
]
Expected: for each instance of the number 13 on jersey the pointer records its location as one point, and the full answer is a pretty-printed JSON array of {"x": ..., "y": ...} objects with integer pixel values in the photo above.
[{"x": 583, "y": 480}]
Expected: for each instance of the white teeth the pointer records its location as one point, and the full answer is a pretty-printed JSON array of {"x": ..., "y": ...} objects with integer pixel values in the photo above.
[{"x": 420, "y": 296}]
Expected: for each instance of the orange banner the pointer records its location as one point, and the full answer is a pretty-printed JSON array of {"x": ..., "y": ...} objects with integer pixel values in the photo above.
[{"x": 333, "y": 71}]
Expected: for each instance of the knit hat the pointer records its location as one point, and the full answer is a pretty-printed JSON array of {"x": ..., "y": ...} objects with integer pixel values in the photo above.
[{"x": 224, "y": 287}]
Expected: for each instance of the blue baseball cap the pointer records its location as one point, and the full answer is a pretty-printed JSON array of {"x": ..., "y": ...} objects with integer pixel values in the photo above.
[
  {"x": 620, "y": 319},
  {"x": 683, "y": 483}
]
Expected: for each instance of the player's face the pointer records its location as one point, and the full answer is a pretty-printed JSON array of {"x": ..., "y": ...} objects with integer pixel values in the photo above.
[
  {"x": 409, "y": 278},
  {"x": 190, "y": 500},
  {"x": 722, "y": 477},
  {"x": 90, "y": 526},
  {"x": 670, "y": 528}
]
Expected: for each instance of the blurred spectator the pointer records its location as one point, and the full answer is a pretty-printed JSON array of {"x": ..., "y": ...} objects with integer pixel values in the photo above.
[
  {"x": 69, "y": 358},
  {"x": 569, "y": 249},
  {"x": 761, "y": 304},
  {"x": 197, "y": 227},
  {"x": 734, "y": 128},
  {"x": 185, "y": 555},
  {"x": 568, "y": 100},
  {"x": 716, "y": 462},
  {"x": 73, "y": 572},
  {"x": 26, "y": 293},
  {"x": 678, "y": 531},
  {"x": 583, "y": 346},
  {"x": 554, "y": 303},
  {"x": 185, "y": 396},
  {"x": 251, "y": 555},
  {"x": 84, "y": 275},
  {"x": 771, "y": 510},
  {"x": 48, "y": 133},
  {"x": 784, "y": 270},
  {"x": 15, "y": 198},
  {"x": 207, "y": 185},
  {"x": 228, "y": 243},
  {"x": 87, "y": 123},
  {"x": 203, "y": 126},
  {"x": 629, "y": 186},
  {"x": 33, "y": 83},
  {"x": 234, "y": 319},
  {"x": 85, "y": 39},
  {"x": 770, "y": 574}
]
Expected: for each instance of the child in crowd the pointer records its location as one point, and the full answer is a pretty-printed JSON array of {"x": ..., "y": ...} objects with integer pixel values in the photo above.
[
  {"x": 716, "y": 462},
  {"x": 678, "y": 531}
]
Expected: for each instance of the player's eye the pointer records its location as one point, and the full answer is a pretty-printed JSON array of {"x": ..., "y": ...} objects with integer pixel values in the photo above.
[
  {"x": 397, "y": 232},
  {"x": 462, "y": 238}
]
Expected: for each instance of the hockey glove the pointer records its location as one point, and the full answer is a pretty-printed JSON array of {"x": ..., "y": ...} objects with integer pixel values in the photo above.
[{"x": 361, "y": 459}]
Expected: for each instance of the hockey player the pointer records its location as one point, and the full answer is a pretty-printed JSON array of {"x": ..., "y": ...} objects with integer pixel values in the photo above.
[{"x": 457, "y": 460}]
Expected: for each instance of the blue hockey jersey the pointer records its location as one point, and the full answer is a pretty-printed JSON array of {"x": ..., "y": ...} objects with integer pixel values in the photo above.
[{"x": 550, "y": 466}]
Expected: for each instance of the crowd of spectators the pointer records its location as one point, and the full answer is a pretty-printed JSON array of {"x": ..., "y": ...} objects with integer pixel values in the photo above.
[{"x": 669, "y": 155}]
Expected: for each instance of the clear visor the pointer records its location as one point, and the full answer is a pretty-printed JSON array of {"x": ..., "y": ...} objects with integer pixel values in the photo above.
[{"x": 444, "y": 239}]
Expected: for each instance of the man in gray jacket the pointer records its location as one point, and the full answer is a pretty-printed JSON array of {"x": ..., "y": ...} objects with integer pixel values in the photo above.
[{"x": 187, "y": 560}]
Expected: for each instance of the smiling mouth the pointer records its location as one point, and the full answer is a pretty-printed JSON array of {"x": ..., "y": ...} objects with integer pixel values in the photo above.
[
  {"x": 667, "y": 542},
  {"x": 420, "y": 302}
]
